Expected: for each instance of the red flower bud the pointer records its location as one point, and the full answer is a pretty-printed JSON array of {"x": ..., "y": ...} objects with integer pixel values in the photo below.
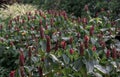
[
  {"x": 82, "y": 49},
  {"x": 86, "y": 39},
  {"x": 91, "y": 30},
  {"x": 23, "y": 21},
  {"x": 71, "y": 40},
  {"x": 28, "y": 18},
  {"x": 12, "y": 74},
  {"x": 40, "y": 22},
  {"x": 30, "y": 13},
  {"x": 41, "y": 32},
  {"x": 86, "y": 44},
  {"x": 48, "y": 45},
  {"x": 93, "y": 48},
  {"x": 51, "y": 21},
  {"x": 21, "y": 58},
  {"x": 108, "y": 54},
  {"x": 18, "y": 17},
  {"x": 63, "y": 44},
  {"x": 114, "y": 53},
  {"x": 71, "y": 51},
  {"x": 78, "y": 35},
  {"x": 46, "y": 27},
  {"x": 6, "y": 36},
  {"x": 11, "y": 43},
  {"x": 56, "y": 46},
  {"x": 102, "y": 43}
]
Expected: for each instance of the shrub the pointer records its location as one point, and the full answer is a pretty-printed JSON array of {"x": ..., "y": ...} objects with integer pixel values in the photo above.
[{"x": 51, "y": 43}]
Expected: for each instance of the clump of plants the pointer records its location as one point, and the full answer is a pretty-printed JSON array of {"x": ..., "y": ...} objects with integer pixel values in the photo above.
[
  {"x": 11, "y": 11},
  {"x": 51, "y": 43}
]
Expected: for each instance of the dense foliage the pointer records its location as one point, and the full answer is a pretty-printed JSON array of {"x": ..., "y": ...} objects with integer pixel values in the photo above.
[
  {"x": 78, "y": 42},
  {"x": 52, "y": 44}
]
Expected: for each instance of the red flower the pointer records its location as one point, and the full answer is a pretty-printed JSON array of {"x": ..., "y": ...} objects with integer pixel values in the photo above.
[
  {"x": 86, "y": 39},
  {"x": 63, "y": 44},
  {"x": 21, "y": 58},
  {"x": 71, "y": 40},
  {"x": 93, "y": 48},
  {"x": 40, "y": 71},
  {"x": 102, "y": 43},
  {"x": 91, "y": 30},
  {"x": 108, "y": 54},
  {"x": 52, "y": 21},
  {"x": 40, "y": 22},
  {"x": 41, "y": 32},
  {"x": 56, "y": 46},
  {"x": 114, "y": 53},
  {"x": 11, "y": 43},
  {"x": 82, "y": 49},
  {"x": 48, "y": 45},
  {"x": 71, "y": 51},
  {"x": 12, "y": 74}
]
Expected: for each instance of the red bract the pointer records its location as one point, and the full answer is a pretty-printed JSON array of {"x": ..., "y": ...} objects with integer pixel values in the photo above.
[
  {"x": 48, "y": 45},
  {"x": 108, "y": 53},
  {"x": 46, "y": 27},
  {"x": 86, "y": 39},
  {"x": 41, "y": 32},
  {"x": 78, "y": 35},
  {"x": 23, "y": 21},
  {"x": 71, "y": 51},
  {"x": 91, "y": 30},
  {"x": 93, "y": 48},
  {"x": 18, "y": 17},
  {"x": 40, "y": 71},
  {"x": 12, "y": 74},
  {"x": 28, "y": 18},
  {"x": 63, "y": 44},
  {"x": 52, "y": 21},
  {"x": 30, "y": 13},
  {"x": 11, "y": 43},
  {"x": 71, "y": 40},
  {"x": 81, "y": 49},
  {"x": 22, "y": 71},
  {"x": 21, "y": 58},
  {"x": 40, "y": 22},
  {"x": 114, "y": 53},
  {"x": 56, "y": 46},
  {"x": 102, "y": 43}
]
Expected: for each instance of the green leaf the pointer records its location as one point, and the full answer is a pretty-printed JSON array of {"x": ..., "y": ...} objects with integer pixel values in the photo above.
[
  {"x": 66, "y": 59},
  {"x": 101, "y": 69},
  {"x": 77, "y": 65}
]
